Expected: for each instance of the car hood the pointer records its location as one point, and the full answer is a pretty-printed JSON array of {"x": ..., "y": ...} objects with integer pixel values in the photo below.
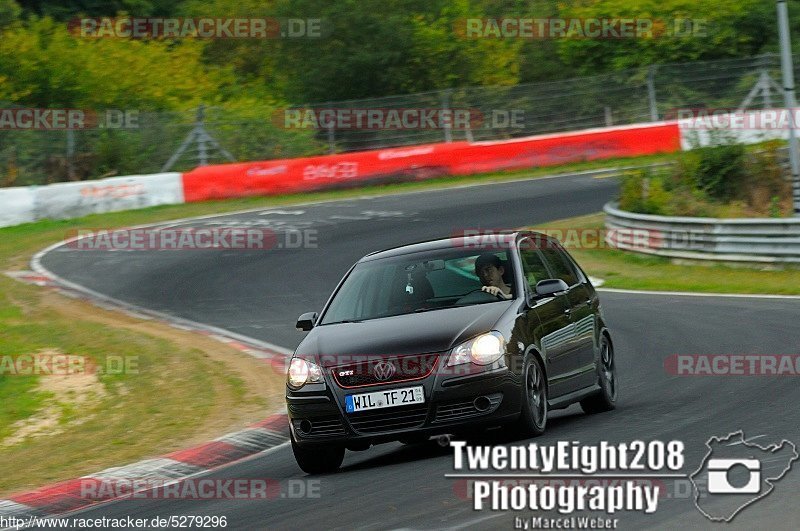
[{"x": 416, "y": 333}]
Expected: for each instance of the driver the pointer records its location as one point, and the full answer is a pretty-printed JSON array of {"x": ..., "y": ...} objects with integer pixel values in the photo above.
[{"x": 490, "y": 270}]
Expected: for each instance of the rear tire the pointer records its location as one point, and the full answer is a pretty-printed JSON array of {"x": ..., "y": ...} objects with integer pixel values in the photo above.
[
  {"x": 606, "y": 398},
  {"x": 532, "y": 421},
  {"x": 318, "y": 459}
]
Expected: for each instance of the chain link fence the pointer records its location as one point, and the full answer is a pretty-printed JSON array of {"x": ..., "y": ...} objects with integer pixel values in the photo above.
[{"x": 182, "y": 140}]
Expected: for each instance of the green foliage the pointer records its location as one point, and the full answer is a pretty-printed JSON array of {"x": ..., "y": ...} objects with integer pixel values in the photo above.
[
  {"x": 724, "y": 28},
  {"x": 9, "y": 12},
  {"x": 377, "y": 48},
  {"x": 644, "y": 191},
  {"x": 765, "y": 169},
  {"x": 774, "y": 207},
  {"x": 717, "y": 171},
  {"x": 373, "y": 48},
  {"x": 721, "y": 181},
  {"x": 250, "y": 131},
  {"x": 43, "y": 65},
  {"x": 66, "y": 9}
]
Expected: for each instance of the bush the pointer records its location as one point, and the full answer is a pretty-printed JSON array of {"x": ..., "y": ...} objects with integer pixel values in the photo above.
[
  {"x": 718, "y": 171},
  {"x": 644, "y": 192},
  {"x": 630, "y": 196},
  {"x": 720, "y": 181},
  {"x": 766, "y": 181}
]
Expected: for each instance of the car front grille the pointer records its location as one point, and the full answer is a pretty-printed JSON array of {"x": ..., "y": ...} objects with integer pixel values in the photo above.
[
  {"x": 375, "y": 371},
  {"x": 466, "y": 409},
  {"x": 389, "y": 419}
]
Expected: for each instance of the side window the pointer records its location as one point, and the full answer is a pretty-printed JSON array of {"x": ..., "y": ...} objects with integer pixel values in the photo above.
[
  {"x": 559, "y": 264},
  {"x": 532, "y": 265},
  {"x": 572, "y": 264}
]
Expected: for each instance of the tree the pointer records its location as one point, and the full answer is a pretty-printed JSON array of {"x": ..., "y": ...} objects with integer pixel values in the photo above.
[
  {"x": 721, "y": 29},
  {"x": 43, "y": 65},
  {"x": 387, "y": 47}
]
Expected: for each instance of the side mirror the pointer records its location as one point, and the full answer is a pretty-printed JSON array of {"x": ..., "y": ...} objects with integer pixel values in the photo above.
[
  {"x": 306, "y": 321},
  {"x": 550, "y": 287}
]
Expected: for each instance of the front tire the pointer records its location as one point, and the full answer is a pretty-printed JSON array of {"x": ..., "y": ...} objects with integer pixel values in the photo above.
[
  {"x": 606, "y": 398},
  {"x": 533, "y": 418},
  {"x": 318, "y": 459}
]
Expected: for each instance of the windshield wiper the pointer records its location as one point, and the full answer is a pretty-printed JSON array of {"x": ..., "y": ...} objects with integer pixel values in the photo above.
[
  {"x": 346, "y": 321},
  {"x": 421, "y": 310}
]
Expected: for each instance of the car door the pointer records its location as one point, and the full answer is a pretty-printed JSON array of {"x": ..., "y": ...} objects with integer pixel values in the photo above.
[
  {"x": 581, "y": 312},
  {"x": 551, "y": 322}
]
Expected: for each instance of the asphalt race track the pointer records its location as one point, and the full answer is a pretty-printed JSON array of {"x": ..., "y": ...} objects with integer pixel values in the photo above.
[{"x": 260, "y": 294}]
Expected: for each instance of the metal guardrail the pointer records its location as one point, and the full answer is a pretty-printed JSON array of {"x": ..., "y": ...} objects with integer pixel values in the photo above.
[{"x": 767, "y": 240}]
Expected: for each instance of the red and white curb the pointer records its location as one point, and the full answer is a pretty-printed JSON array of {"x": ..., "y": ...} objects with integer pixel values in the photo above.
[{"x": 69, "y": 495}]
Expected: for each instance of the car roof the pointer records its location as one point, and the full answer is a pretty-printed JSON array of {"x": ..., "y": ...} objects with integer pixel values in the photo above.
[{"x": 444, "y": 243}]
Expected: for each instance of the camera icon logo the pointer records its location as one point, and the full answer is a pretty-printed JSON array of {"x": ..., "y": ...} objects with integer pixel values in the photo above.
[
  {"x": 718, "y": 476},
  {"x": 737, "y": 472}
]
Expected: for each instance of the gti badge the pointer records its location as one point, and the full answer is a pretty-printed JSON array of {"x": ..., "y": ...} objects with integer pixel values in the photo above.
[{"x": 383, "y": 370}]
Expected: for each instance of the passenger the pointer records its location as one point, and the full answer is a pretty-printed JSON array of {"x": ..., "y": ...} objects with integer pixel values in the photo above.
[{"x": 489, "y": 269}]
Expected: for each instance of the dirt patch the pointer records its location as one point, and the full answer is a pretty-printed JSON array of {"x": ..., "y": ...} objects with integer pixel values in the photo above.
[
  {"x": 262, "y": 385},
  {"x": 77, "y": 392}
]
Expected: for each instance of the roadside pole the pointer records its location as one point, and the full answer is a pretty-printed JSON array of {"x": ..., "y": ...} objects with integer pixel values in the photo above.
[{"x": 789, "y": 100}]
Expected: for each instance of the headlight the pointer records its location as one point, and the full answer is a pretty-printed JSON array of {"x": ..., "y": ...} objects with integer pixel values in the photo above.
[
  {"x": 302, "y": 372},
  {"x": 482, "y": 350}
]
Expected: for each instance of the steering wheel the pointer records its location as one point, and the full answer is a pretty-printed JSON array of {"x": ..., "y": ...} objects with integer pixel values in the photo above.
[{"x": 478, "y": 295}]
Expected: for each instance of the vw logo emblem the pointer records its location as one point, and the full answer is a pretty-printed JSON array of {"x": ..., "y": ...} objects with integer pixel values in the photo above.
[{"x": 383, "y": 370}]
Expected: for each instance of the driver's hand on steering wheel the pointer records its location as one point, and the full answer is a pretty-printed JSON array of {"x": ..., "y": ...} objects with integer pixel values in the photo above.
[{"x": 497, "y": 292}]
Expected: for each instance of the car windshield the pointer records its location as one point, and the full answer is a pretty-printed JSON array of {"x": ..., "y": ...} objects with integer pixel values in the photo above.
[{"x": 417, "y": 282}]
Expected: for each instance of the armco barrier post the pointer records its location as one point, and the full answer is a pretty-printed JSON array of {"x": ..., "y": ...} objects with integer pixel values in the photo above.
[
  {"x": 651, "y": 93},
  {"x": 331, "y": 140},
  {"x": 448, "y": 124}
]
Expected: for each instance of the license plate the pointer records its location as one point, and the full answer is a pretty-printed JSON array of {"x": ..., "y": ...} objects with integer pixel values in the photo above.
[{"x": 381, "y": 399}]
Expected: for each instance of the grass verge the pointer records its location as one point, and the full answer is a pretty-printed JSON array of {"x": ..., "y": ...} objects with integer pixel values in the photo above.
[{"x": 627, "y": 270}]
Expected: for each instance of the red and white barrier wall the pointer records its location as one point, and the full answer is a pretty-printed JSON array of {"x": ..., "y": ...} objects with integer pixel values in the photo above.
[
  {"x": 67, "y": 200},
  {"x": 427, "y": 161},
  {"x": 74, "y": 199},
  {"x": 745, "y": 127}
]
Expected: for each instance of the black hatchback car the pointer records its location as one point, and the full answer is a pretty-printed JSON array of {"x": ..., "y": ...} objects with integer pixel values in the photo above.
[{"x": 412, "y": 345}]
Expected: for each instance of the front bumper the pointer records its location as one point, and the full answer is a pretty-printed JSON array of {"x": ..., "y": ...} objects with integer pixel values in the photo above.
[{"x": 317, "y": 415}]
